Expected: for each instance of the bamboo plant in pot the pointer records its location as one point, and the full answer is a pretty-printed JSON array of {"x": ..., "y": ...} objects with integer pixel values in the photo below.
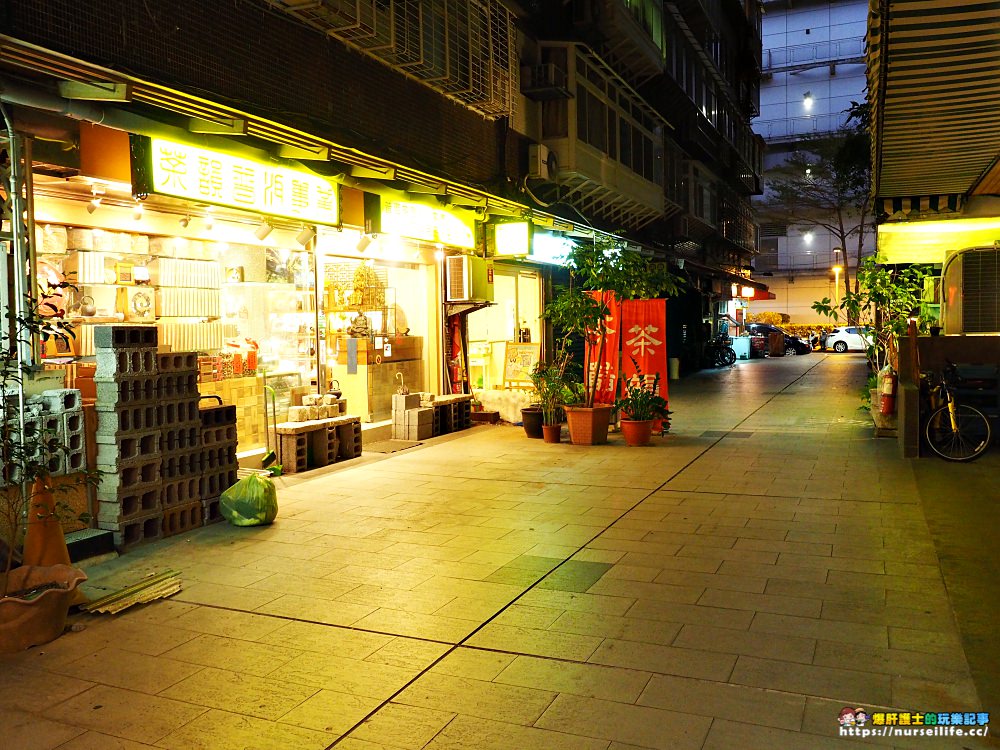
[
  {"x": 599, "y": 271},
  {"x": 34, "y": 598},
  {"x": 550, "y": 383},
  {"x": 640, "y": 406}
]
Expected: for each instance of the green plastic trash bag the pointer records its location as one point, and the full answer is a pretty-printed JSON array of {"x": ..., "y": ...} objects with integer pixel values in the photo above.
[{"x": 252, "y": 501}]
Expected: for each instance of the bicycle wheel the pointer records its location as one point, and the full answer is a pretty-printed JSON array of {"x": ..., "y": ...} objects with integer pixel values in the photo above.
[
  {"x": 969, "y": 441},
  {"x": 726, "y": 356}
]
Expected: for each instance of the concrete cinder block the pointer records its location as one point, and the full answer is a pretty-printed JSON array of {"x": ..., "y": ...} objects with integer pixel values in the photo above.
[
  {"x": 134, "y": 532},
  {"x": 214, "y": 416},
  {"x": 177, "y": 361},
  {"x": 182, "y": 413},
  {"x": 129, "y": 505},
  {"x": 401, "y": 402},
  {"x": 180, "y": 438},
  {"x": 129, "y": 479},
  {"x": 126, "y": 391},
  {"x": 114, "y": 423},
  {"x": 419, "y": 416},
  {"x": 62, "y": 399},
  {"x": 129, "y": 450},
  {"x": 124, "y": 337},
  {"x": 114, "y": 363},
  {"x": 72, "y": 423},
  {"x": 183, "y": 518},
  {"x": 181, "y": 492}
]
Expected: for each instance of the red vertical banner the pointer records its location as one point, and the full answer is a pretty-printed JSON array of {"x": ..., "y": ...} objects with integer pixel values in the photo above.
[
  {"x": 605, "y": 363},
  {"x": 644, "y": 340}
]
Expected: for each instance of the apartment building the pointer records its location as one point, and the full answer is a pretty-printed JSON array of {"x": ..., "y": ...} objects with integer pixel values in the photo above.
[{"x": 813, "y": 68}]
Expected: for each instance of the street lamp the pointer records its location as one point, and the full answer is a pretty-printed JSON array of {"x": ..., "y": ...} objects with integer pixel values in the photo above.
[{"x": 836, "y": 279}]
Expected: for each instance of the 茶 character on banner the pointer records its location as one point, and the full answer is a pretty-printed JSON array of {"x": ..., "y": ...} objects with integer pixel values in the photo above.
[{"x": 643, "y": 339}]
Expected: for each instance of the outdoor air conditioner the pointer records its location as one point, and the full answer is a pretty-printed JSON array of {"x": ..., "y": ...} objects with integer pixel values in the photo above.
[
  {"x": 468, "y": 278},
  {"x": 541, "y": 162}
]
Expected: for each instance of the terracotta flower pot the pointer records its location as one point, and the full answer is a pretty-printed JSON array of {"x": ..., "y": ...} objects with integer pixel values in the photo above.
[
  {"x": 588, "y": 426},
  {"x": 32, "y": 622},
  {"x": 637, "y": 432},
  {"x": 552, "y": 433}
]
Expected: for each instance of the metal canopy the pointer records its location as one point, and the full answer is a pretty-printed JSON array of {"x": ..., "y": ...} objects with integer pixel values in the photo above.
[{"x": 934, "y": 83}]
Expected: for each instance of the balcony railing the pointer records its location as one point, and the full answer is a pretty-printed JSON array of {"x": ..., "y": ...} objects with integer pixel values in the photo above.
[
  {"x": 804, "y": 56},
  {"x": 795, "y": 128}
]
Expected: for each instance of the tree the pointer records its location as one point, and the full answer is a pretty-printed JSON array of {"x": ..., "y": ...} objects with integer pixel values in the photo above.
[
  {"x": 603, "y": 265},
  {"x": 884, "y": 305},
  {"x": 826, "y": 183}
]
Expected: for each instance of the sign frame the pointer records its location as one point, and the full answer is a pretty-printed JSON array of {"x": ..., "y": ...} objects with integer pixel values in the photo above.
[
  {"x": 219, "y": 178},
  {"x": 519, "y": 359}
]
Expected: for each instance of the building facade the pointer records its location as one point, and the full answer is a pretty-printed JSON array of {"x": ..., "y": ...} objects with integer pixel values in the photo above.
[
  {"x": 813, "y": 70},
  {"x": 430, "y": 123}
]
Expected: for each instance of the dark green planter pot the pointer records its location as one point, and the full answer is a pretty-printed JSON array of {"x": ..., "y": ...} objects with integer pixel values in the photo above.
[{"x": 531, "y": 418}]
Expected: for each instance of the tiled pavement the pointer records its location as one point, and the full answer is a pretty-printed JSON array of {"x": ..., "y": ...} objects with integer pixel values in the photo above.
[{"x": 733, "y": 586}]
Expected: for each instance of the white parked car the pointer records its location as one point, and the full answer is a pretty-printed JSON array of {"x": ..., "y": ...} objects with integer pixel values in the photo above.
[{"x": 851, "y": 338}]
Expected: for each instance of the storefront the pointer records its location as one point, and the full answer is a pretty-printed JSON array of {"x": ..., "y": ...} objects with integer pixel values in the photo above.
[
  {"x": 507, "y": 338},
  {"x": 291, "y": 298}
]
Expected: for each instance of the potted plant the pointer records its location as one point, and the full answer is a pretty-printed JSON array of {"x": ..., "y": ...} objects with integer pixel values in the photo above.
[
  {"x": 34, "y": 599},
  {"x": 640, "y": 406},
  {"x": 549, "y": 380},
  {"x": 599, "y": 272}
]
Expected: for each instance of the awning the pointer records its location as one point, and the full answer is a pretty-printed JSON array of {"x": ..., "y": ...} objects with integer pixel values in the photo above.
[
  {"x": 934, "y": 89},
  {"x": 719, "y": 273}
]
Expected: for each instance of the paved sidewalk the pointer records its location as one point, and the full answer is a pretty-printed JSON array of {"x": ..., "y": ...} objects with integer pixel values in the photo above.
[{"x": 734, "y": 586}]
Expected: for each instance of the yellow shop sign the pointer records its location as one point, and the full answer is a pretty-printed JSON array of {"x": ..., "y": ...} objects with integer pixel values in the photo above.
[
  {"x": 207, "y": 176},
  {"x": 420, "y": 222}
]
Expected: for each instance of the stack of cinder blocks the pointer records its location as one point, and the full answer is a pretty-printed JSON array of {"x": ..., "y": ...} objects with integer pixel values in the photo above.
[
  {"x": 218, "y": 445},
  {"x": 410, "y": 420},
  {"x": 62, "y": 418},
  {"x": 53, "y": 415},
  {"x": 183, "y": 461},
  {"x": 128, "y": 434}
]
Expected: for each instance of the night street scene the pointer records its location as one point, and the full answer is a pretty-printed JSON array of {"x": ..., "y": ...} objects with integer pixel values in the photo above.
[{"x": 499, "y": 375}]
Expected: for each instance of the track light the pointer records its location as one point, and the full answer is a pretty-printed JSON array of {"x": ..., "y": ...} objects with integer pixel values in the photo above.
[
  {"x": 209, "y": 219},
  {"x": 137, "y": 211},
  {"x": 363, "y": 243},
  {"x": 306, "y": 235},
  {"x": 262, "y": 230},
  {"x": 95, "y": 198},
  {"x": 184, "y": 221}
]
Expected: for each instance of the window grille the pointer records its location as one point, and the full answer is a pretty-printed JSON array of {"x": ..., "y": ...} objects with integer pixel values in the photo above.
[{"x": 464, "y": 50}]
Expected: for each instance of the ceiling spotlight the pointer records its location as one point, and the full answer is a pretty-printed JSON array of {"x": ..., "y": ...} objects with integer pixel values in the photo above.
[
  {"x": 262, "y": 230},
  {"x": 363, "y": 243},
  {"x": 439, "y": 255},
  {"x": 209, "y": 219},
  {"x": 307, "y": 234},
  {"x": 137, "y": 211},
  {"x": 184, "y": 221},
  {"x": 96, "y": 192}
]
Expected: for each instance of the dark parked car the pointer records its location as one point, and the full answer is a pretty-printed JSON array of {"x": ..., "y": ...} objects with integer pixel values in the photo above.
[{"x": 793, "y": 344}]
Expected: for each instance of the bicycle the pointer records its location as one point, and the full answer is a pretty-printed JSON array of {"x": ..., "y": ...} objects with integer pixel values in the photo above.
[
  {"x": 719, "y": 352},
  {"x": 956, "y": 432}
]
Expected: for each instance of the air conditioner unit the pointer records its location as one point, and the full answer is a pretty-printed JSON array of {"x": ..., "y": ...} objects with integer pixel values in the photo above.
[
  {"x": 468, "y": 278},
  {"x": 542, "y": 162}
]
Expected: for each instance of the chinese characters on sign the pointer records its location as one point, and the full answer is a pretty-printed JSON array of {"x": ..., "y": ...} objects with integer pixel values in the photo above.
[
  {"x": 420, "y": 222},
  {"x": 642, "y": 338},
  {"x": 199, "y": 174}
]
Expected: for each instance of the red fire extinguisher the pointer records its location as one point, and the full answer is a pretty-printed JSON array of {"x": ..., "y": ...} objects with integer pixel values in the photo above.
[{"x": 889, "y": 379}]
